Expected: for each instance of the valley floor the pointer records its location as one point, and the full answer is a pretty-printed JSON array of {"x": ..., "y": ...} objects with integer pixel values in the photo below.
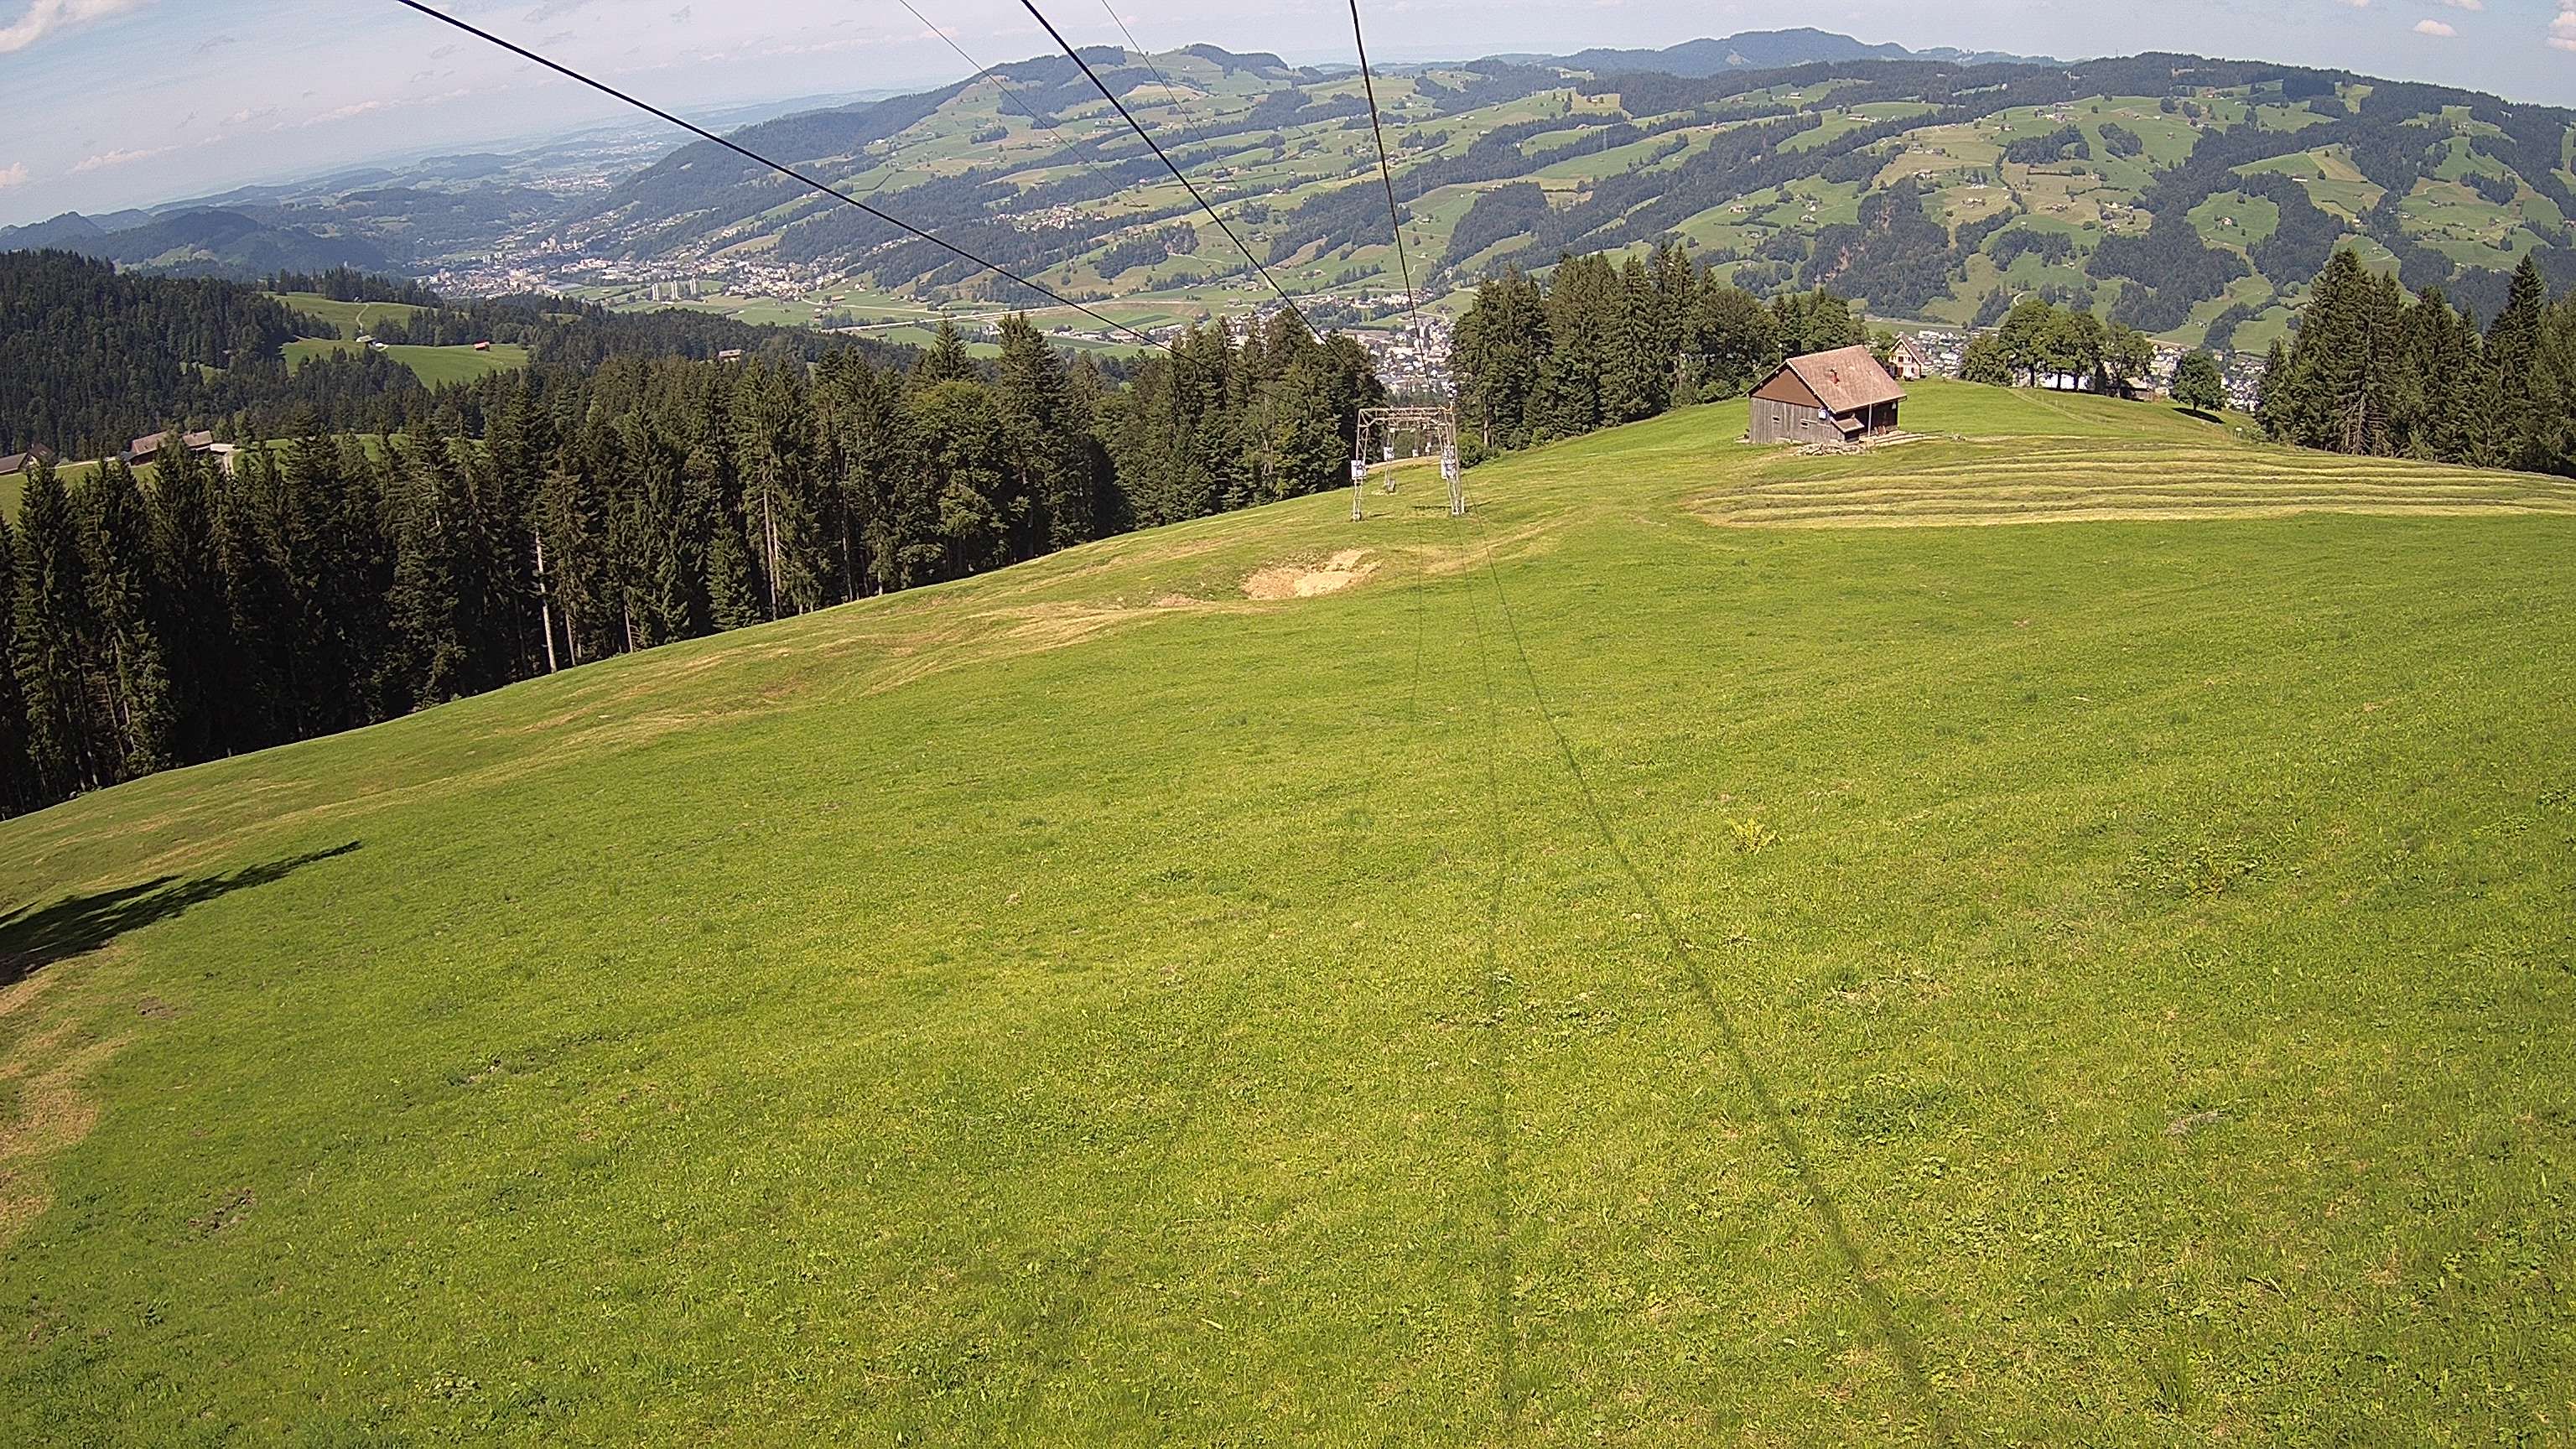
[{"x": 1620, "y": 969}]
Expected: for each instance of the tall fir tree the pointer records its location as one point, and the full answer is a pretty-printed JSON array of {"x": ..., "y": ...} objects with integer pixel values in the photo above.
[
  {"x": 69, "y": 742},
  {"x": 18, "y": 789},
  {"x": 191, "y": 614},
  {"x": 430, "y": 661},
  {"x": 2512, "y": 366},
  {"x": 117, "y": 540},
  {"x": 1046, "y": 434},
  {"x": 945, "y": 360}
]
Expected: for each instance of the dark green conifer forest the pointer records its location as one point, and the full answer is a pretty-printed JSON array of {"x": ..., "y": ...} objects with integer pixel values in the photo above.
[
  {"x": 1600, "y": 344},
  {"x": 541, "y": 519},
  {"x": 2375, "y": 371}
]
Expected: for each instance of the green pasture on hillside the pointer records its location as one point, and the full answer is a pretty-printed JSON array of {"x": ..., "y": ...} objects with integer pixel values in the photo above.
[
  {"x": 352, "y": 318},
  {"x": 2055, "y": 933},
  {"x": 432, "y": 365}
]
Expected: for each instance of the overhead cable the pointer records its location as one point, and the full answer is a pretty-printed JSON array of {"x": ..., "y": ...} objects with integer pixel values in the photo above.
[
  {"x": 1386, "y": 172},
  {"x": 1186, "y": 183},
  {"x": 781, "y": 168}
]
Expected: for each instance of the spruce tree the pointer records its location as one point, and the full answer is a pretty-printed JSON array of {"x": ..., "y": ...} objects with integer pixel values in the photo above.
[
  {"x": 18, "y": 792},
  {"x": 429, "y": 658},
  {"x": 945, "y": 360},
  {"x": 731, "y": 600},
  {"x": 1500, "y": 344},
  {"x": 1583, "y": 316},
  {"x": 1636, "y": 378},
  {"x": 2271, "y": 393},
  {"x": 1045, "y": 436},
  {"x": 117, "y": 544},
  {"x": 67, "y": 740},
  {"x": 2512, "y": 364},
  {"x": 190, "y": 612},
  {"x": 965, "y": 461},
  {"x": 261, "y": 609}
]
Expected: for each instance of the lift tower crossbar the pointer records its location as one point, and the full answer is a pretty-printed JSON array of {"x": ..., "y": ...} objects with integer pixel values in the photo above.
[{"x": 1436, "y": 426}]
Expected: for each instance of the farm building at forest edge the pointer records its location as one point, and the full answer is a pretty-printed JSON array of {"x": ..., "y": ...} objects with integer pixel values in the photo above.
[{"x": 1826, "y": 397}]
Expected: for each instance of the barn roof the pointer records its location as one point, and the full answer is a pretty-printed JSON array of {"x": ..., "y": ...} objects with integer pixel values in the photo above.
[{"x": 1845, "y": 379}]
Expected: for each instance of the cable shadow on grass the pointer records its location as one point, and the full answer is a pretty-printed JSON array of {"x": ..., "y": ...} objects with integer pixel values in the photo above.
[
  {"x": 35, "y": 937},
  {"x": 1892, "y": 1328},
  {"x": 1499, "y": 1274}
]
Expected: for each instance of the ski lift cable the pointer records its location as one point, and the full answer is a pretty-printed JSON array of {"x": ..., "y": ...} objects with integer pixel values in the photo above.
[
  {"x": 780, "y": 167},
  {"x": 1386, "y": 173},
  {"x": 1170, "y": 91},
  {"x": 1186, "y": 184},
  {"x": 982, "y": 70}
]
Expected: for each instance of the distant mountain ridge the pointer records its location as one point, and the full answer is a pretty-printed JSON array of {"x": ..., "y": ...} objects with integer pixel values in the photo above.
[
  {"x": 1763, "y": 50},
  {"x": 207, "y": 242}
]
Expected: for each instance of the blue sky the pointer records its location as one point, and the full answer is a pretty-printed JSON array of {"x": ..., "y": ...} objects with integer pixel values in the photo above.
[{"x": 117, "y": 103}]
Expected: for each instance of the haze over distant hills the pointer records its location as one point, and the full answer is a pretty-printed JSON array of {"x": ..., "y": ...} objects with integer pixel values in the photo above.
[{"x": 1762, "y": 50}]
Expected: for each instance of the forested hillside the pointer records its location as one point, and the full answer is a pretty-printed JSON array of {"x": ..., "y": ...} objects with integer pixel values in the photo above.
[
  {"x": 91, "y": 357},
  {"x": 2190, "y": 199},
  {"x": 540, "y": 519}
]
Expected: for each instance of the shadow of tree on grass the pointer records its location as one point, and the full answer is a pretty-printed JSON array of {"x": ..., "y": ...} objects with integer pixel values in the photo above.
[{"x": 34, "y": 937}]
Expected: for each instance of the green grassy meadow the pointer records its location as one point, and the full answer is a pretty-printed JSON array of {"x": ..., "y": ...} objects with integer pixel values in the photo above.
[
  {"x": 1674, "y": 957},
  {"x": 432, "y": 365}
]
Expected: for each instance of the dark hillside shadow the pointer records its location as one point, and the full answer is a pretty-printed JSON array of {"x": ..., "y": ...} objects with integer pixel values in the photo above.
[
  {"x": 33, "y": 938},
  {"x": 2196, "y": 415}
]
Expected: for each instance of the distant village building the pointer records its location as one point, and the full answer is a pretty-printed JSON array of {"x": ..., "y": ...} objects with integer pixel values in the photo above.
[
  {"x": 1912, "y": 363},
  {"x": 1826, "y": 397},
  {"x": 13, "y": 464}
]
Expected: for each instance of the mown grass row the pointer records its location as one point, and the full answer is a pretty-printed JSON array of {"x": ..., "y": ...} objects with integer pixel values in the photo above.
[{"x": 2039, "y": 479}]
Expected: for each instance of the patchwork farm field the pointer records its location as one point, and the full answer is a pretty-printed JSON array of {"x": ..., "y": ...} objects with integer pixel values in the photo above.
[{"x": 1671, "y": 958}]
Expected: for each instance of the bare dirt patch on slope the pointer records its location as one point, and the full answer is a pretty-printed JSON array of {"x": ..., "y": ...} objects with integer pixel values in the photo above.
[{"x": 1307, "y": 581}]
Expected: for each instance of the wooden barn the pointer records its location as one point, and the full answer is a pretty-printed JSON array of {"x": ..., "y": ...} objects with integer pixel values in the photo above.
[{"x": 1841, "y": 396}]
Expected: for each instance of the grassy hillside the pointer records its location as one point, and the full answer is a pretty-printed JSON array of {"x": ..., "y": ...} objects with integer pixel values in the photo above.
[
  {"x": 432, "y": 365},
  {"x": 1765, "y": 172},
  {"x": 352, "y": 318},
  {"x": 1620, "y": 971}
]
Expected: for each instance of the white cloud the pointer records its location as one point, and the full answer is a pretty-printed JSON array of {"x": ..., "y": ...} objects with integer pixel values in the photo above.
[
  {"x": 2473, "y": 6},
  {"x": 375, "y": 105},
  {"x": 105, "y": 159},
  {"x": 2562, "y": 31},
  {"x": 44, "y": 17},
  {"x": 14, "y": 175},
  {"x": 2434, "y": 28}
]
